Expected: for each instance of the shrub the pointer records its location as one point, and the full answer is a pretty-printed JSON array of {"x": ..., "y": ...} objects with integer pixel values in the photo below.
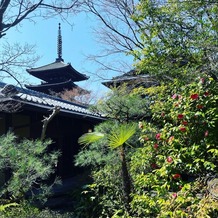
[
  {"x": 29, "y": 165},
  {"x": 171, "y": 170}
]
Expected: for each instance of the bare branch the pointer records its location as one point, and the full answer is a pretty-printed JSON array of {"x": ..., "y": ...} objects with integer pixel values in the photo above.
[
  {"x": 116, "y": 31},
  {"x": 13, "y": 12},
  {"x": 48, "y": 119},
  {"x": 15, "y": 58}
]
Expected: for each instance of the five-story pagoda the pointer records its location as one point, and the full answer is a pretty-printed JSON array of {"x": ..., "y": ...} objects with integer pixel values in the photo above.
[{"x": 57, "y": 76}]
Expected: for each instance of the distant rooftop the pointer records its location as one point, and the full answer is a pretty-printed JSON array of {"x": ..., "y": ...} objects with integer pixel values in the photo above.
[{"x": 131, "y": 78}]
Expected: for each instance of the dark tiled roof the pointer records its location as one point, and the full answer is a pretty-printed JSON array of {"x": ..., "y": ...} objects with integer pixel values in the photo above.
[
  {"x": 51, "y": 66},
  {"x": 57, "y": 67},
  {"x": 131, "y": 78},
  {"x": 44, "y": 102},
  {"x": 56, "y": 87}
]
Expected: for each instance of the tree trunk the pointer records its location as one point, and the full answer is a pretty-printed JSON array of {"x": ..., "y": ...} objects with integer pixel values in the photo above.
[
  {"x": 126, "y": 179},
  {"x": 46, "y": 121}
]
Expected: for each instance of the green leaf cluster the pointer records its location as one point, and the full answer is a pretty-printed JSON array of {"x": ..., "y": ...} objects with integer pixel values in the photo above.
[
  {"x": 179, "y": 38},
  {"x": 28, "y": 164},
  {"x": 179, "y": 152}
]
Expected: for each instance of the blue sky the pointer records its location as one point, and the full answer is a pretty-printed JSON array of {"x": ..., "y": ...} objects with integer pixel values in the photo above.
[{"x": 78, "y": 41}]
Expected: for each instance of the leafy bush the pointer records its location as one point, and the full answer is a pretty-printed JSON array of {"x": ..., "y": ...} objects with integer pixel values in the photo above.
[
  {"x": 180, "y": 152},
  {"x": 26, "y": 210},
  {"x": 29, "y": 165},
  {"x": 173, "y": 166}
]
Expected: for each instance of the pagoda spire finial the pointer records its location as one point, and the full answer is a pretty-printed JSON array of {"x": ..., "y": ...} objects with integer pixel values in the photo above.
[{"x": 59, "y": 44}]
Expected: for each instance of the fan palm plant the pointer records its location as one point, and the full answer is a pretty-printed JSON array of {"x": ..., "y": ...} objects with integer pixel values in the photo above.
[{"x": 116, "y": 139}]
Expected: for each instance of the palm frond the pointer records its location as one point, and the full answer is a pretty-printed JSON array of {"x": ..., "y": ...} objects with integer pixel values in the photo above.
[
  {"x": 120, "y": 135},
  {"x": 89, "y": 138}
]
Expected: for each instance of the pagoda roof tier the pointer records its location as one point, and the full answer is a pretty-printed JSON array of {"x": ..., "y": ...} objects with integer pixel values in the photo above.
[
  {"x": 57, "y": 71},
  {"x": 56, "y": 87}
]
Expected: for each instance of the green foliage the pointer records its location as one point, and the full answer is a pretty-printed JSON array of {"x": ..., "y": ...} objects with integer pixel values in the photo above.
[
  {"x": 103, "y": 195},
  {"x": 89, "y": 138},
  {"x": 179, "y": 152},
  {"x": 172, "y": 168},
  {"x": 108, "y": 163},
  {"x": 28, "y": 163},
  {"x": 179, "y": 38},
  {"x": 123, "y": 105},
  {"x": 3, "y": 207},
  {"x": 120, "y": 135},
  {"x": 26, "y": 210}
]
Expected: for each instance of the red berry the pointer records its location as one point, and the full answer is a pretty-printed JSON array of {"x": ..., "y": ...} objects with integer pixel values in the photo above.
[
  {"x": 202, "y": 80},
  {"x": 174, "y": 96},
  {"x": 162, "y": 114},
  {"x": 206, "y": 133},
  {"x": 154, "y": 165},
  {"x": 206, "y": 94}
]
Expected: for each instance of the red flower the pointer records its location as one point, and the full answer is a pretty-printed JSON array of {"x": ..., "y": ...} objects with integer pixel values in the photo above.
[
  {"x": 162, "y": 114},
  {"x": 185, "y": 123},
  {"x": 158, "y": 136},
  {"x": 169, "y": 159},
  {"x": 194, "y": 96},
  {"x": 177, "y": 176},
  {"x": 200, "y": 106},
  {"x": 174, "y": 96},
  {"x": 182, "y": 129},
  {"x": 146, "y": 138},
  {"x": 206, "y": 133},
  {"x": 180, "y": 116},
  {"x": 174, "y": 195},
  {"x": 156, "y": 146}
]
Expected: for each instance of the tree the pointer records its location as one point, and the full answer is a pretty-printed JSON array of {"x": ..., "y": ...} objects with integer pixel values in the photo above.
[
  {"x": 13, "y": 12},
  {"x": 16, "y": 57},
  {"x": 116, "y": 139},
  {"x": 170, "y": 38},
  {"x": 179, "y": 38},
  {"x": 123, "y": 105},
  {"x": 116, "y": 32},
  {"x": 28, "y": 166},
  {"x": 111, "y": 154}
]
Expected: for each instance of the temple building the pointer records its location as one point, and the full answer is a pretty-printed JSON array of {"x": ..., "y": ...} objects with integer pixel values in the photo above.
[
  {"x": 57, "y": 76},
  {"x": 132, "y": 79},
  {"x": 22, "y": 111}
]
